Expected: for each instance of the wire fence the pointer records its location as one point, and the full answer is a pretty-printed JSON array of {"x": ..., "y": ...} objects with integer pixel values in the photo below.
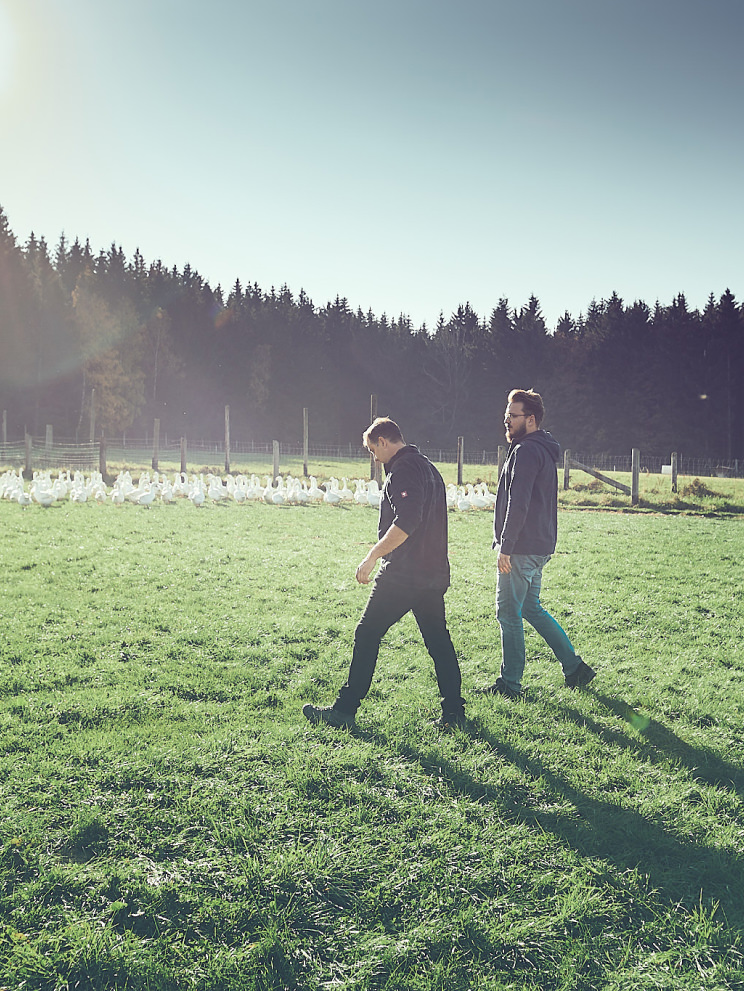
[
  {"x": 38, "y": 454},
  {"x": 50, "y": 457},
  {"x": 654, "y": 464}
]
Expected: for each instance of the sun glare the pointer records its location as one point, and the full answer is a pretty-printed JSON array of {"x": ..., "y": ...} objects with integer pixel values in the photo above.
[{"x": 7, "y": 49}]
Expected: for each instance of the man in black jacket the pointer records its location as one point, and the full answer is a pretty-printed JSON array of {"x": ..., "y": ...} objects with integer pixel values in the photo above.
[
  {"x": 525, "y": 531},
  {"x": 413, "y": 577}
]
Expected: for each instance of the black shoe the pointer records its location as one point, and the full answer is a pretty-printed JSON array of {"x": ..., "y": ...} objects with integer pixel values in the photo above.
[
  {"x": 329, "y": 715},
  {"x": 580, "y": 677},
  {"x": 449, "y": 721},
  {"x": 500, "y": 687}
]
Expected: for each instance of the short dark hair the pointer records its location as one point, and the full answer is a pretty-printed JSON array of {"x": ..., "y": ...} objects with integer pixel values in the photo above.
[
  {"x": 383, "y": 426},
  {"x": 531, "y": 402}
]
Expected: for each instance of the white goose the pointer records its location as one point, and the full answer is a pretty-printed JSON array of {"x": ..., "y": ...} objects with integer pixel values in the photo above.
[
  {"x": 279, "y": 495},
  {"x": 181, "y": 485},
  {"x": 79, "y": 491},
  {"x": 148, "y": 498},
  {"x": 22, "y": 497},
  {"x": 167, "y": 495},
  {"x": 315, "y": 493},
  {"x": 476, "y": 499},
  {"x": 302, "y": 492},
  {"x": 41, "y": 490},
  {"x": 254, "y": 490},
  {"x": 463, "y": 503},
  {"x": 332, "y": 495},
  {"x": 345, "y": 492},
  {"x": 487, "y": 495},
  {"x": 59, "y": 487},
  {"x": 268, "y": 492},
  {"x": 197, "y": 493},
  {"x": 240, "y": 492},
  {"x": 216, "y": 491},
  {"x": 374, "y": 495}
]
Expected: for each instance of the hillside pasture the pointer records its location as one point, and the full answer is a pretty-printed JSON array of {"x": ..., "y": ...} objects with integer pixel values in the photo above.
[{"x": 168, "y": 820}]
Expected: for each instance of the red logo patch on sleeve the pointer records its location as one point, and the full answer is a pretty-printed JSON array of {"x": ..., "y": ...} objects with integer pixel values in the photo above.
[{"x": 403, "y": 495}]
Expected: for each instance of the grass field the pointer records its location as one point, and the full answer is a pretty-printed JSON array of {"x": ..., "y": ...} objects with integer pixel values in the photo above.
[{"x": 170, "y": 821}]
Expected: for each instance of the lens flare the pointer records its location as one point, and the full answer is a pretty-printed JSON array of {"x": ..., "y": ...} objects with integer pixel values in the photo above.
[{"x": 7, "y": 50}]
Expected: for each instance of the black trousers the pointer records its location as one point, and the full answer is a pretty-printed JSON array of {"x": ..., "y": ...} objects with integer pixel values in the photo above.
[{"x": 387, "y": 604}]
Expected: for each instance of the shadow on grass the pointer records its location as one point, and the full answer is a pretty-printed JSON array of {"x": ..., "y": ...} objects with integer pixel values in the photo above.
[
  {"x": 683, "y": 872},
  {"x": 657, "y": 744}
]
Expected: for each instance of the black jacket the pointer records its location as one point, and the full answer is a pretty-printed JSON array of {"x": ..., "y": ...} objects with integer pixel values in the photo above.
[
  {"x": 414, "y": 499},
  {"x": 525, "y": 518}
]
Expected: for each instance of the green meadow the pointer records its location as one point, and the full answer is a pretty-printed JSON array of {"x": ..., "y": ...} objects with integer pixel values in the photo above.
[{"x": 168, "y": 819}]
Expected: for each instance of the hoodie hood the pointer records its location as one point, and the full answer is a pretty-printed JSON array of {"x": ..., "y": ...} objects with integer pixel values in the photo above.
[{"x": 544, "y": 438}]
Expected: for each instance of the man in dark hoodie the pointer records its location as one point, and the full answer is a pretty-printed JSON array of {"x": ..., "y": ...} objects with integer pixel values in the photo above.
[
  {"x": 525, "y": 530},
  {"x": 413, "y": 577}
]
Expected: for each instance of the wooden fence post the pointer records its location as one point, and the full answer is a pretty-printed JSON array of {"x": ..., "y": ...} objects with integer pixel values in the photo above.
[
  {"x": 28, "y": 445},
  {"x": 305, "y": 438},
  {"x": 372, "y": 418},
  {"x": 183, "y": 455},
  {"x": 227, "y": 439},
  {"x": 155, "y": 444},
  {"x": 49, "y": 439},
  {"x": 276, "y": 461},
  {"x": 566, "y": 469},
  {"x": 501, "y": 459},
  {"x": 5, "y": 427},
  {"x": 375, "y": 469},
  {"x": 674, "y": 471},
  {"x": 635, "y": 476},
  {"x": 102, "y": 456},
  {"x": 460, "y": 456},
  {"x": 92, "y": 415}
]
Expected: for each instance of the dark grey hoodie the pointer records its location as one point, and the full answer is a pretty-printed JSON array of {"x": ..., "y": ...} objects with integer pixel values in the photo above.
[{"x": 526, "y": 514}]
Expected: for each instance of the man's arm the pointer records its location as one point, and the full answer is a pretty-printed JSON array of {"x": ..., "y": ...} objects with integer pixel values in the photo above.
[
  {"x": 393, "y": 538},
  {"x": 523, "y": 474}
]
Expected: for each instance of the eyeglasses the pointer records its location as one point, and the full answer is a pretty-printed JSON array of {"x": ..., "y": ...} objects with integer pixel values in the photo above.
[{"x": 513, "y": 416}]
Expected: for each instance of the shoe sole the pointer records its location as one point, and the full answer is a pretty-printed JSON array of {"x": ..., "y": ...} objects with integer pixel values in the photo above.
[{"x": 315, "y": 716}]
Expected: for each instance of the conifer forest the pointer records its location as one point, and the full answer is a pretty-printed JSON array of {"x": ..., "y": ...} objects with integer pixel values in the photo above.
[{"x": 153, "y": 341}]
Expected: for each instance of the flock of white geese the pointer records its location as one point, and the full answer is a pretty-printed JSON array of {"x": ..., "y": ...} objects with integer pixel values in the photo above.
[{"x": 47, "y": 488}]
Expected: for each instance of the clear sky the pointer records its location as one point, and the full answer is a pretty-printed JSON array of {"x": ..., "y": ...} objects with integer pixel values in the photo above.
[{"x": 410, "y": 155}]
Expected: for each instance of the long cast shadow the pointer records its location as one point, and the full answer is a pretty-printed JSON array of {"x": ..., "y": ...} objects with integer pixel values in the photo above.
[
  {"x": 657, "y": 744},
  {"x": 682, "y": 871}
]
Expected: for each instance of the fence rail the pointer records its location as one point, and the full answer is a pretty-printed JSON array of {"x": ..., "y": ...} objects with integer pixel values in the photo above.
[
  {"x": 86, "y": 456},
  {"x": 653, "y": 464}
]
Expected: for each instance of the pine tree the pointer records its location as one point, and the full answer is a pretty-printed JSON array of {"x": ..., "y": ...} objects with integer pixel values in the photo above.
[{"x": 17, "y": 342}]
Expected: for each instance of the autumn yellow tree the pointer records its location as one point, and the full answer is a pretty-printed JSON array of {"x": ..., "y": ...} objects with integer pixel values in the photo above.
[{"x": 111, "y": 352}]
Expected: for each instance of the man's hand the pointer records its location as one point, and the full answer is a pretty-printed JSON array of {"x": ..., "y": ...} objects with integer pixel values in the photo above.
[
  {"x": 364, "y": 570},
  {"x": 393, "y": 538},
  {"x": 504, "y": 563}
]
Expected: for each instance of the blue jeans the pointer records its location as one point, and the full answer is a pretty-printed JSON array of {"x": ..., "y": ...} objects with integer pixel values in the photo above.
[{"x": 518, "y": 598}]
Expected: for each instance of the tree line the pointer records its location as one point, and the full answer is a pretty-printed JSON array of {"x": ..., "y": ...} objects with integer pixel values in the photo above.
[{"x": 153, "y": 341}]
